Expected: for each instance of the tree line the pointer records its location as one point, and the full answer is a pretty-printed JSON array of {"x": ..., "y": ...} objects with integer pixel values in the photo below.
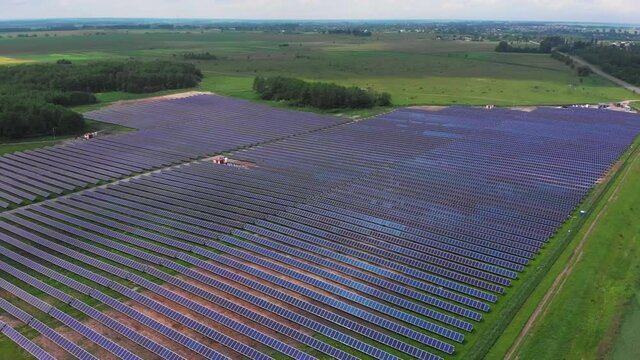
[
  {"x": 582, "y": 70},
  {"x": 552, "y": 45},
  {"x": 317, "y": 94},
  {"x": 34, "y": 98},
  {"x": 29, "y": 113}
]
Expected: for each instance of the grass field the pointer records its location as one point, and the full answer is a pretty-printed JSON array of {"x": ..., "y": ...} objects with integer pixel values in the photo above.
[
  {"x": 9, "y": 350},
  {"x": 414, "y": 68},
  {"x": 7, "y": 147},
  {"x": 625, "y": 346},
  {"x": 583, "y": 320}
]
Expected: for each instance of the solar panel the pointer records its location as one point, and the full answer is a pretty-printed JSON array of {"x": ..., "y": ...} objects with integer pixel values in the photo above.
[{"x": 408, "y": 220}]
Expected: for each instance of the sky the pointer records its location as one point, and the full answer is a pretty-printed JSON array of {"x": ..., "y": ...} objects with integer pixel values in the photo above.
[{"x": 601, "y": 11}]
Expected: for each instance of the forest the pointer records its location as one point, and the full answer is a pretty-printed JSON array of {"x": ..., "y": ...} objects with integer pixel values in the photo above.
[
  {"x": 34, "y": 98},
  {"x": 317, "y": 94}
]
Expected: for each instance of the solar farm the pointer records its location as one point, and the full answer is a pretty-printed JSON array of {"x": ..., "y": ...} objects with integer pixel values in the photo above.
[{"x": 391, "y": 237}]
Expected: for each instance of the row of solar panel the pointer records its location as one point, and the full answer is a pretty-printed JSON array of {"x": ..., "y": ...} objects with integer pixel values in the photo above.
[
  {"x": 46, "y": 331},
  {"x": 67, "y": 320},
  {"x": 335, "y": 242},
  {"x": 405, "y": 236},
  {"x": 243, "y": 255},
  {"x": 36, "y": 227},
  {"x": 117, "y": 305},
  {"x": 130, "y": 213},
  {"x": 25, "y": 176},
  {"x": 518, "y": 179},
  {"x": 187, "y": 248},
  {"x": 24, "y": 342},
  {"x": 349, "y": 227},
  {"x": 124, "y": 218},
  {"x": 315, "y": 344},
  {"x": 529, "y": 255},
  {"x": 144, "y": 300},
  {"x": 439, "y": 224}
]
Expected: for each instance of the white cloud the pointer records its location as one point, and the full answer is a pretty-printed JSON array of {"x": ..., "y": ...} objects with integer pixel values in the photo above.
[{"x": 555, "y": 10}]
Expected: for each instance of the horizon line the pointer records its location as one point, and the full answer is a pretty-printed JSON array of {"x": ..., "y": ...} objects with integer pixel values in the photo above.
[{"x": 323, "y": 20}]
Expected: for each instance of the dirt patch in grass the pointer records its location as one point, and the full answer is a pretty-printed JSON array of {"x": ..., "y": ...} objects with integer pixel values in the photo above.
[
  {"x": 151, "y": 334},
  {"x": 179, "y": 327},
  {"x": 181, "y": 95},
  {"x": 51, "y": 347},
  {"x": 524, "y": 108},
  {"x": 429, "y": 108},
  {"x": 10, "y": 320}
]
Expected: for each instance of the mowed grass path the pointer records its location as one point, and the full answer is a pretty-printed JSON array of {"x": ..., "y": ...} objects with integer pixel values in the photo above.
[
  {"x": 583, "y": 320},
  {"x": 414, "y": 68}
]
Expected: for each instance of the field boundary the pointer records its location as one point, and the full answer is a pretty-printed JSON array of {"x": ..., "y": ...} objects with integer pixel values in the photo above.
[{"x": 511, "y": 309}]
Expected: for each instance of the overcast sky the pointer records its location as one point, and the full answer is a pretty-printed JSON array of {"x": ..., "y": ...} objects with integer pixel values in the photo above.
[{"x": 622, "y": 11}]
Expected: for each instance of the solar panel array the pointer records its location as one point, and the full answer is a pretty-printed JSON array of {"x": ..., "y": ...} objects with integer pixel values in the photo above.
[
  {"x": 389, "y": 237},
  {"x": 171, "y": 131},
  {"x": 24, "y": 342}
]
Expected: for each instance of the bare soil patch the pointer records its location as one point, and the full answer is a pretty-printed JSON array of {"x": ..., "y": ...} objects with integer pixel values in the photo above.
[
  {"x": 429, "y": 107},
  {"x": 162, "y": 98}
]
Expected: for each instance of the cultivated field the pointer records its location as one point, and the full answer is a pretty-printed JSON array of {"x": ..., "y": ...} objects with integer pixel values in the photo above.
[{"x": 414, "y": 68}]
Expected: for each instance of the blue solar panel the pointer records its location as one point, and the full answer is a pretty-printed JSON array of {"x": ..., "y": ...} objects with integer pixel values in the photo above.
[
  {"x": 69, "y": 321},
  {"x": 345, "y": 218}
]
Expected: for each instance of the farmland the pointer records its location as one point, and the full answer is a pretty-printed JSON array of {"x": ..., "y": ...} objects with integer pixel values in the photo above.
[
  {"x": 284, "y": 252},
  {"x": 414, "y": 68}
]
